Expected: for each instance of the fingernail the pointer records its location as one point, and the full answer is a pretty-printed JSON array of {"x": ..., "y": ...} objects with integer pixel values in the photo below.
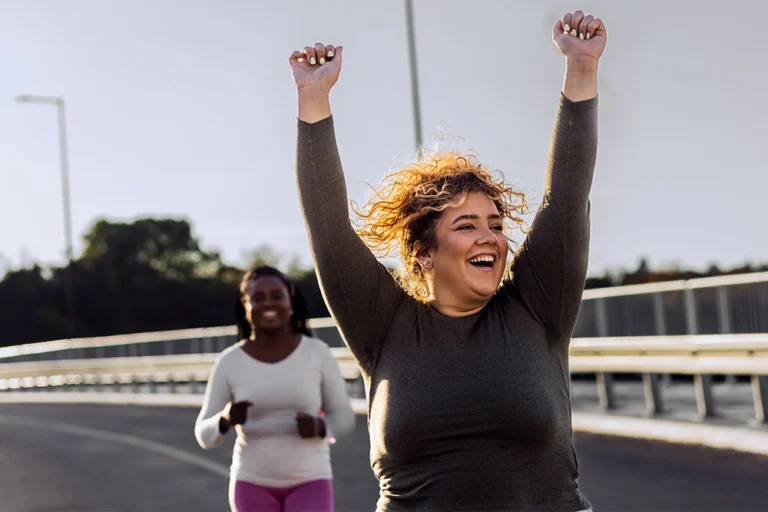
[
  {"x": 567, "y": 27},
  {"x": 330, "y": 53},
  {"x": 588, "y": 35},
  {"x": 322, "y": 60},
  {"x": 581, "y": 36},
  {"x": 574, "y": 33},
  {"x": 312, "y": 61}
]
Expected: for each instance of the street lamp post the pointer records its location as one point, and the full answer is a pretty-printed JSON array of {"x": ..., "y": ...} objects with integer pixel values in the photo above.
[
  {"x": 64, "y": 164},
  {"x": 411, "y": 32}
]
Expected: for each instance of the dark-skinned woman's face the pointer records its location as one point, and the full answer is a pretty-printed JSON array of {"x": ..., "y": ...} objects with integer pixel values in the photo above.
[{"x": 268, "y": 304}]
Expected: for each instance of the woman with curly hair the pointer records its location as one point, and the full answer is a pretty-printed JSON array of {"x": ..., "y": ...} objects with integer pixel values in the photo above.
[{"x": 466, "y": 371}]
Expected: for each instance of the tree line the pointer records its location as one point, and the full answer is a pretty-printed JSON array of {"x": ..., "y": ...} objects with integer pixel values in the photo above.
[{"x": 153, "y": 275}]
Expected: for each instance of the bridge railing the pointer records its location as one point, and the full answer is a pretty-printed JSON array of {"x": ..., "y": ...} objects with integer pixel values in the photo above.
[
  {"x": 733, "y": 304},
  {"x": 721, "y": 305},
  {"x": 206, "y": 340},
  {"x": 651, "y": 329},
  {"x": 699, "y": 356}
]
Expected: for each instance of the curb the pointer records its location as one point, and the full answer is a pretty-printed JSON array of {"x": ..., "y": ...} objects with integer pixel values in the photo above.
[
  {"x": 711, "y": 436},
  {"x": 749, "y": 440}
]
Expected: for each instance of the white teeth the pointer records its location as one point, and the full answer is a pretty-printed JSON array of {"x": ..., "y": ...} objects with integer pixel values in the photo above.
[
  {"x": 269, "y": 314},
  {"x": 478, "y": 259}
]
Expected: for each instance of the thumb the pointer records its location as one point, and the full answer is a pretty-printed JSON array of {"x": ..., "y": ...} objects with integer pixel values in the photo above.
[{"x": 557, "y": 30}]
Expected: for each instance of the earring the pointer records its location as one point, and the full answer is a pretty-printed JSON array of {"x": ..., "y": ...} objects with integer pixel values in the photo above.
[{"x": 426, "y": 263}]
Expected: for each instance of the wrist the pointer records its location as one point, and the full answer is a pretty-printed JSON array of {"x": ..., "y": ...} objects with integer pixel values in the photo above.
[
  {"x": 313, "y": 93},
  {"x": 580, "y": 82},
  {"x": 314, "y": 103},
  {"x": 581, "y": 64}
]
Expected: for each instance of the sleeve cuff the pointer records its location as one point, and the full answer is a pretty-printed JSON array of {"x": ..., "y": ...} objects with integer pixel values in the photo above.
[
  {"x": 317, "y": 125},
  {"x": 575, "y": 106}
]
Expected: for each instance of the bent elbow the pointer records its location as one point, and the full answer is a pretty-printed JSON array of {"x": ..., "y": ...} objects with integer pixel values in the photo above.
[{"x": 204, "y": 441}]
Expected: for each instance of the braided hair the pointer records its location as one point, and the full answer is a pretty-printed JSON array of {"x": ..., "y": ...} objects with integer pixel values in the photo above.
[{"x": 298, "y": 304}]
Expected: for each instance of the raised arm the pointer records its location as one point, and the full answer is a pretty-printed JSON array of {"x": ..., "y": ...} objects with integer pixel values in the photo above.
[
  {"x": 359, "y": 291},
  {"x": 551, "y": 266}
]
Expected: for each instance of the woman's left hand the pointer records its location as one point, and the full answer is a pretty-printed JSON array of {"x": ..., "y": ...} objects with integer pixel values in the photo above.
[
  {"x": 579, "y": 36},
  {"x": 310, "y": 426}
]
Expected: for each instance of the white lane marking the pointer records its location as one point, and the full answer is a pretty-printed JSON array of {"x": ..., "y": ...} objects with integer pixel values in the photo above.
[{"x": 125, "y": 439}]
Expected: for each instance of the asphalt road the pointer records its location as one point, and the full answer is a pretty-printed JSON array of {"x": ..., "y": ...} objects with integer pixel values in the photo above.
[{"x": 145, "y": 459}]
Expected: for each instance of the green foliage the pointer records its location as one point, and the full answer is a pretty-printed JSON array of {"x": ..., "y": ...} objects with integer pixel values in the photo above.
[
  {"x": 146, "y": 275},
  {"x": 153, "y": 275}
]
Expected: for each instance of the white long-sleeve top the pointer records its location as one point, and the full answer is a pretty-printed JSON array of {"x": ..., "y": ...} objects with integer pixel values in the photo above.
[{"x": 269, "y": 450}]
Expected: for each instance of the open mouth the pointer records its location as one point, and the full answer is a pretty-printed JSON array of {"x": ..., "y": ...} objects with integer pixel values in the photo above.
[
  {"x": 483, "y": 262},
  {"x": 269, "y": 315}
]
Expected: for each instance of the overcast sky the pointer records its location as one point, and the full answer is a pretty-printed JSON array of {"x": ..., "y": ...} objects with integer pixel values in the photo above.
[{"x": 187, "y": 108}]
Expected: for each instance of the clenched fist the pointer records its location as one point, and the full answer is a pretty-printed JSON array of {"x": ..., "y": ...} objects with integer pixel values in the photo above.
[
  {"x": 577, "y": 35},
  {"x": 234, "y": 413},
  {"x": 316, "y": 67},
  {"x": 309, "y": 426}
]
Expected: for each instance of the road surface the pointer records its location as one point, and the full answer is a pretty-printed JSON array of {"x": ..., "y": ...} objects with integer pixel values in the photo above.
[{"x": 145, "y": 459}]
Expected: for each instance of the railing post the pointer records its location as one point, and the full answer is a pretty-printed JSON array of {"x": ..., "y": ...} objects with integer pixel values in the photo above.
[
  {"x": 604, "y": 380},
  {"x": 660, "y": 321},
  {"x": 605, "y": 391},
  {"x": 724, "y": 321},
  {"x": 654, "y": 403},
  {"x": 705, "y": 404},
  {"x": 723, "y": 310},
  {"x": 601, "y": 317},
  {"x": 659, "y": 318},
  {"x": 171, "y": 383},
  {"x": 691, "y": 319},
  {"x": 152, "y": 384},
  {"x": 760, "y": 396}
]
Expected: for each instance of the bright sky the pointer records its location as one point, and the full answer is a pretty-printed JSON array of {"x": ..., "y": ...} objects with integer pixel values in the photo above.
[{"x": 187, "y": 108}]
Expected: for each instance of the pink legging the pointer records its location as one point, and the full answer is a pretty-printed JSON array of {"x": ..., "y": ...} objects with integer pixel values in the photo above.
[{"x": 315, "y": 496}]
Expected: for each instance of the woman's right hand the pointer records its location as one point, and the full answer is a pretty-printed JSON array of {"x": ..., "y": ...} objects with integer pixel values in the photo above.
[
  {"x": 235, "y": 413},
  {"x": 316, "y": 68}
]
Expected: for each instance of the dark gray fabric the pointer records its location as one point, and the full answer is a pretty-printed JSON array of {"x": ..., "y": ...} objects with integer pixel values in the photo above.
[{"x": 467, "y": 413}]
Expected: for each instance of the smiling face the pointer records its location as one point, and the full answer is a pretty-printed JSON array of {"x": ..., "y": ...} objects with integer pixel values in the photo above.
[
  {"x": 268, "y": 304},
  {"x": 470, "y": 256}
]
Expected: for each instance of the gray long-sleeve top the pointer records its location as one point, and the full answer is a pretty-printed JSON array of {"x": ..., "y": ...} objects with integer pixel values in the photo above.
[{"x": 469, "y": 413}]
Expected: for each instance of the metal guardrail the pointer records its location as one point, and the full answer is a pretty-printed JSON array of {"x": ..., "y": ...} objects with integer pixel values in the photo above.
[
  {"x": 205, "y": 340},
  {"x": 699, "y": 356},
  {"x": 697, "y": 327},
  {"x": 735, "y": 304}
]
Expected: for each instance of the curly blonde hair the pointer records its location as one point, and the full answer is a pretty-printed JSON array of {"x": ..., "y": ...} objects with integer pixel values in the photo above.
[{"x": 403, "y": 213}]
